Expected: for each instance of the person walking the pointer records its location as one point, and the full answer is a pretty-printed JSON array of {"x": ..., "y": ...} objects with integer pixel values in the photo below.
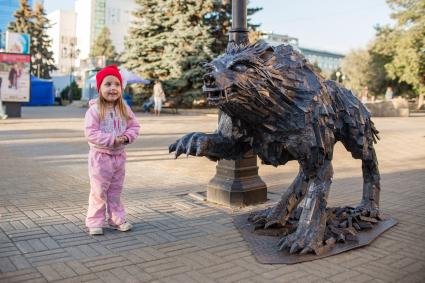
[
  {"x": 365, "y": 94},
  {"x": 109, "y": 126},
  {"x": 3, "y": 115},
  {"x": 158, "y": 97},
  {"x": 389, "y": 94}
]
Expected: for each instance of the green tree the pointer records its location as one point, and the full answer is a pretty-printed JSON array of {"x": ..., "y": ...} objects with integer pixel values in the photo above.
[
  {"x": 102, "y": 46},
  {"x": 408, "y": 45},
  {"x": 75, "y": 92},
  {"x": 170, "y": 41},
  {"x": 219, "y": 22},
  {"x": 23, "y": 22},
  {"x": 366, "y": 67},
  {"x": 147, "y": 40},
  {"x": 356, "y": 67},
  {"x": 192, "y": 47},
  {"x": 35, "y": 24},
  {"x": 43, "y": 64}
]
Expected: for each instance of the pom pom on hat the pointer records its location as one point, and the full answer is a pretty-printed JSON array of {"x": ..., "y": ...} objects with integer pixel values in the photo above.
[{"x": 110, "y": 70}]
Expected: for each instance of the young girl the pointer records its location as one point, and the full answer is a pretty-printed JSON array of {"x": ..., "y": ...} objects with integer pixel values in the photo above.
[{"x": 109, "y": 126}]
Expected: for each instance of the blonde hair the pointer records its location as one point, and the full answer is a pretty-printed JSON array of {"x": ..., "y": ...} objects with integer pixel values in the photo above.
[{"x": 119, "y": 104}]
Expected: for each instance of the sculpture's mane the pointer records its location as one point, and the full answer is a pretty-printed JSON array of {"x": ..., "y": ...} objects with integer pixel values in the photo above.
[{"x": 284, "y": 81}]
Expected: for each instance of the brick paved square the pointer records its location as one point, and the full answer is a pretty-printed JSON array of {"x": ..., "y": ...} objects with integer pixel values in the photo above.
[{"x": 44, "y": 190}]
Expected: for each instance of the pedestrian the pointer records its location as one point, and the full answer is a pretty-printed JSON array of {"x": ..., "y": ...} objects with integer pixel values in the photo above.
[
  {"x": 365, "y": 94},
  {"x": 158, "y": 97},
  {"x": 109, "y": 126},
  {"x": 3, "y": 115},
  {"x": 58, "y": 97},
  {"x": 389, "y": 94}
]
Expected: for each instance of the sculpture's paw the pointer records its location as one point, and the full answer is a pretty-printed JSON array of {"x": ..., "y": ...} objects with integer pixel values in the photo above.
[
  {"x": 369, "y": 209},
  {"x": 263, "y": 220},
  {"x": 304, "y": 240},
  {"x": 191, "y": 144}
]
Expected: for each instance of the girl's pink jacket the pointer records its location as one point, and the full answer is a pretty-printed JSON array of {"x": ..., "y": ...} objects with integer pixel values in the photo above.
[{"x": 101, "y": 134}]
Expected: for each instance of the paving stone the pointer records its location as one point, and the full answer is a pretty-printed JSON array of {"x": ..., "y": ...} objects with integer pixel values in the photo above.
[
  {"x": 20, "y": 262},
  {"x": 49, "y": 273},
  {"x": 78, "y": 267},
  {"x": 6, "y": 265},
  {"x": 25, "y": 275}
]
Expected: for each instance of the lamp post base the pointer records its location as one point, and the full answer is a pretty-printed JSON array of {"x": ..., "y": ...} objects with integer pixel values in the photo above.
[{"x": 237, "y": 184}]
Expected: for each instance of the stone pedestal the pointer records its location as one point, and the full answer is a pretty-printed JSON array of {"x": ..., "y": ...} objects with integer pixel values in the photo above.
[
  {"x": 396, "y": 107},
  {"x": 237, "y": 183}
]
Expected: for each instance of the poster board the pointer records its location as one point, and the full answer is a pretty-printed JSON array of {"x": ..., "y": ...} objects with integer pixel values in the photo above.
[
  {"x": 15, "y": 77},
  {"x": 17, "y": 42}
]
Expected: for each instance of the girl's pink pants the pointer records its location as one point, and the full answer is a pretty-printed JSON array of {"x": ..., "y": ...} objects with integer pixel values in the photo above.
[{"x": 106, "y": 174}]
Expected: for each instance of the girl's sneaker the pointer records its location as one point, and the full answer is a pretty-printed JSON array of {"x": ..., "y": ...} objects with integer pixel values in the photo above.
[
  {"x": 95, "y": 231},
  {"x": 126, "y": 226}
]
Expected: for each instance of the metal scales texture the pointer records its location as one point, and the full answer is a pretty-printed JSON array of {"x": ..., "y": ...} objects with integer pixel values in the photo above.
[{"x": 274, "y": 102}]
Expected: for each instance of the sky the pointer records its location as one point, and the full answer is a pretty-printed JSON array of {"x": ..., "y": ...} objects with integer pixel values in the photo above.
[{"x": 331, "y": 25}]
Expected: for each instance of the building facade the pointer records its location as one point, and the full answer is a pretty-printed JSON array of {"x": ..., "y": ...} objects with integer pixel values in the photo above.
[
  {"x": 327, "y": 61},
  {"x": 7, "y": 11},
  {"x": 64, "y": 41},
  {"x": 93, "y": 15}
]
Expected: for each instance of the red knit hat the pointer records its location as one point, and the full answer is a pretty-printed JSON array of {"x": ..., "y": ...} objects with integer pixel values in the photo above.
[{"x": 110, "y": 70}]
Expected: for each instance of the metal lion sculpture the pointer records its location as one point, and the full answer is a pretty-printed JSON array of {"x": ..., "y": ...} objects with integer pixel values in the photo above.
[{"x": 274, "y": 102}]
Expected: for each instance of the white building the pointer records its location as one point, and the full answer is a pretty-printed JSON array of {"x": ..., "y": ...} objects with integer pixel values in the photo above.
[
  {"x": 328, "y": 61},
  {"x": 93, "y": 15},
  {"x": 62, "y": 33}
]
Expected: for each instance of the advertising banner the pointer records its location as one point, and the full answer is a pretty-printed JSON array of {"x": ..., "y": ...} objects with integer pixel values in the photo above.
[
  {"x": 15, "y": 77},
  {"x": 17, "y": 42}
]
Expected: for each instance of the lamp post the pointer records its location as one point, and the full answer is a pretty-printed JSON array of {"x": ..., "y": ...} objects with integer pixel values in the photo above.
[
  {"x": 236, "y": 182},
  {"x": 38, "y": 56},
  {"x": 337, "y": 74},
  {"x": 72, "y": 55}
]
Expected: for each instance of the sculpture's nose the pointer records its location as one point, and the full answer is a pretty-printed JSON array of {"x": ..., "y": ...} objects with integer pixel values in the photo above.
[{"x": 209, "y": 80}]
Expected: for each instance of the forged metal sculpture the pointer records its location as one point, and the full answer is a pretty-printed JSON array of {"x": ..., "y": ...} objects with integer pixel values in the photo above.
[{"x": 274, "y": 102}]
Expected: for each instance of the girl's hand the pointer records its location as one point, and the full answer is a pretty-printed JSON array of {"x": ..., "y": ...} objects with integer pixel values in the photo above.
[{"x": 118, "y": 140}]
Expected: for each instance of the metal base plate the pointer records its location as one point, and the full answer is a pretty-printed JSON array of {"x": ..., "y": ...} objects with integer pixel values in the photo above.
[{"x": 265, "y": 250}]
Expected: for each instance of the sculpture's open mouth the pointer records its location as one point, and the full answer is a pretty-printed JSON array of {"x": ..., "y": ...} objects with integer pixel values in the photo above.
[{"x": 217, "y": 95}]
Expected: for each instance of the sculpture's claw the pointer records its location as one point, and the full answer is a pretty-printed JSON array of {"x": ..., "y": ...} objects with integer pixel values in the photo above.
[
  {"x": 258, "y": 226},
  {"x": 259, "y": 221},
  {"x": 271, "y": 223},
  {"x": 179, "y": 149},
  {"x": 306, "y": 250},
  {"x": 172, "y": 148},
  {"x": 294, "y": 248},
  {"x": 189, "y": 145},
  {"x": 369, "y": 209},
  {"x": 283, "y": 243}
]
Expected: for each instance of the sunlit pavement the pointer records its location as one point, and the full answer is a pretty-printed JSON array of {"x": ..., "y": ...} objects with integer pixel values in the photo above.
[{"x": 44, "y": 190}]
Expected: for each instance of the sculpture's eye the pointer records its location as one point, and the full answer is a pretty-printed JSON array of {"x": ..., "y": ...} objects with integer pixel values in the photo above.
[
  {"x": 239, "y": 68},
  {"x": 209, "y": 68}
]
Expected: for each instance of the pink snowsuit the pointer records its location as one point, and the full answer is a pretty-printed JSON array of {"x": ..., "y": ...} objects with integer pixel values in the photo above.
[{"x": 107, "y": 163}]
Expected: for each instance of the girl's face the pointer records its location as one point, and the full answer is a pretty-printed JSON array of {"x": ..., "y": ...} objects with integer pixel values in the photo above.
[{"x": 110, "y": 89}]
